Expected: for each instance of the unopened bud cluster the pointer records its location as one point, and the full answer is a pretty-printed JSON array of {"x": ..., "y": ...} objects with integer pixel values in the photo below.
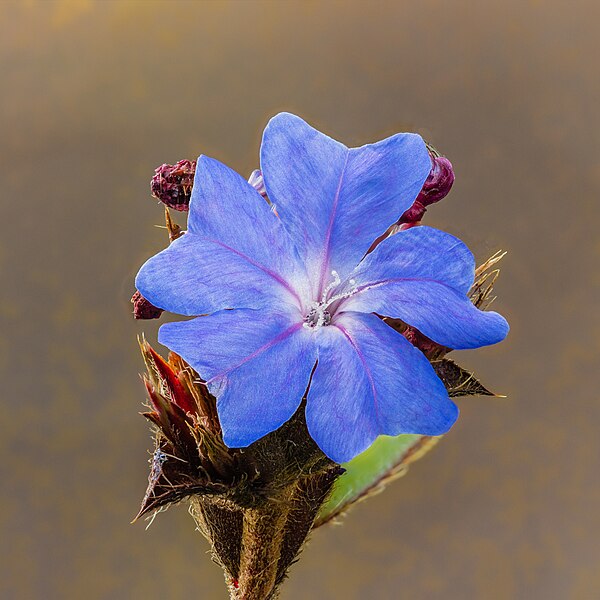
[{"x": 172, "y": 184}]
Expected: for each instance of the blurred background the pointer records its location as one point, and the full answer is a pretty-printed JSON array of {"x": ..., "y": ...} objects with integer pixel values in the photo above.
[{"x": 95, "y": 95}]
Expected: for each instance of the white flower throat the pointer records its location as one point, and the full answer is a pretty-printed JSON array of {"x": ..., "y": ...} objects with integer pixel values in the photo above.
[{"x": 318, "y": 313}]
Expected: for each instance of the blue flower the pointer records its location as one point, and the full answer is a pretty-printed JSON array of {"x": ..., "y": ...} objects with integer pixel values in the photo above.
[{"x": 289, "y": 298}]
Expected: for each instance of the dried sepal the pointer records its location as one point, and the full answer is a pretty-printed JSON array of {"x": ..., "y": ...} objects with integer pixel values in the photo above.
[
  {"x": 485, "y": 278},
  {"x": 173, "y": 423},
  {"x": 481, "y": 292},
  {"x": 306, "y": 502},
  {"x": 173, "y": 229},
  {"x": 190, "y": 457},
  {"x": 459, "y": 381},
  {"x": 173, "y": 479},
  {"x": 196, "y": 388},
  {"x": 219, "y": 462},
  {"x": 170, "y": 384},
  {"x": 490, "y": 262}
]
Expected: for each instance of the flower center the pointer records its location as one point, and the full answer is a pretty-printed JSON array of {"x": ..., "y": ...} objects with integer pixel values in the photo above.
[
  {"x": 318, "y": 314},
  {"x": 317, "y": 317}
]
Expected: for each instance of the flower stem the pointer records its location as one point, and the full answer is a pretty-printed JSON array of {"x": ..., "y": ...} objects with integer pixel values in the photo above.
[
  {"x": 256, "y": 542},
  {"x": 262, "y": 540}
]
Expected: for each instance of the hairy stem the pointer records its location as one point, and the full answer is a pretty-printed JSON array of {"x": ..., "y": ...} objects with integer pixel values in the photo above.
[
  {"x": 262, "y": 539},
  {"x": 221, "y": 523}
]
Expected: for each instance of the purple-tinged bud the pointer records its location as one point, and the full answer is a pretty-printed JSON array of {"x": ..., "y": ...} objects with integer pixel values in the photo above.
[
  {"x": 414, "y": 214},
  {"x": 436, "y": 186},
  {"x": 172, "y": 184},
  {"x": 439, "y": 182},
  {"x": 257, "y": 182},
  {"x": 143, "y": 309}
]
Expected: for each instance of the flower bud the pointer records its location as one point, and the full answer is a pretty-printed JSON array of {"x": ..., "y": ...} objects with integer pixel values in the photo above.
[
  {"x": 436, "y": 186},
  {"x": 172, "y": 184},
  {"x": 439, "y": 182},
  {"x": 143, "y": 309},
  {"x": 414, "y": 214}
]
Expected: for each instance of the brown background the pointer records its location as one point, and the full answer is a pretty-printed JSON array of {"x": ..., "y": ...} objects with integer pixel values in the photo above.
[{"x": 95, "y": 95}]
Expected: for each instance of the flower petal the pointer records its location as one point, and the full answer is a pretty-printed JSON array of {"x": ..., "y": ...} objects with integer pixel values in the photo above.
[
  {"x": 422, "y": 276},
  {"x": 418, "y": 253},
  {"x": 256, "y": 363},
  {"x": 440, "y": 312},
  {"x": 225, "y": 208},
  {"x": 195, "y": 276},
  {"x": 371, "y": 381},
  {"x": 336, "y": 201}
]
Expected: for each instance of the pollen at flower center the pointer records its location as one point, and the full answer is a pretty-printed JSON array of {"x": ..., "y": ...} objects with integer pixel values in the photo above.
[
  {"x": 317, "y": 317},
  {"x": 318, "y": 313}
]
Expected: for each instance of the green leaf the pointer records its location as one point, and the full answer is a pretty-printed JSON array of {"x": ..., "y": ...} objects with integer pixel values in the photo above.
[{"x": 369, "y": 472}]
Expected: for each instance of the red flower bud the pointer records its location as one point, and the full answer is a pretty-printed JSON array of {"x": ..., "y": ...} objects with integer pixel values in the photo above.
[
  {"x": 439, "y": 183},
  {"x": 414, "y": 213},
  {"x": 172, "y": 184},
  {"x": 143, "y": 309},
  {"x": 436, "y": 186}
]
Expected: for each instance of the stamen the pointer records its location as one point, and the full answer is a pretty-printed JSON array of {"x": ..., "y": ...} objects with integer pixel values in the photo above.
[
  {"x": 332, "y": 284},
  {"x": 343, "y": 295},
  {"x": 318, "y": 315}
]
